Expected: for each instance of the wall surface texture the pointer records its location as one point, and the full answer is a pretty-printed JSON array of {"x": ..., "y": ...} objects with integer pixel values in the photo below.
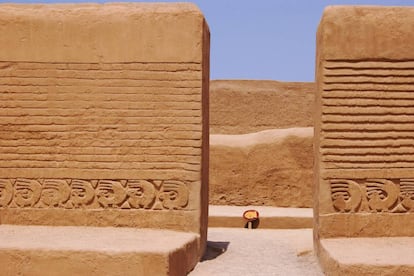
[
  {"x": 261, "y": 143},
  {"x": 245, "y": 106},
  {"x": 104, "y": 115},
  {"x": 364, "y": 136}
]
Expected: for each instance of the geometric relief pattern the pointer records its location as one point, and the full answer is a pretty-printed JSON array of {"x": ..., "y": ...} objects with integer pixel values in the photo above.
[
  {"x": 93, "y": 194},
  {"x": 372, "y": 195}
]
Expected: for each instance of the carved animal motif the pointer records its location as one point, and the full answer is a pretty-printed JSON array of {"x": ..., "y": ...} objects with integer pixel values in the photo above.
[
  {"x": 110, "y": 193},
  {"x": 141, "y": 193},
  {"x": 82, "y": 192},
  {"x": 382, "y": 194},
  {"x": 6, "y": 192},
  {"x": 346, "y": 195},
  {"x": 55, "y": 192},
  {"x": 407, "y": 193},
  {"x": 27, "y": 192},
  {"x": 76, "y": 193},
  {"x": 174, "y": 195}
]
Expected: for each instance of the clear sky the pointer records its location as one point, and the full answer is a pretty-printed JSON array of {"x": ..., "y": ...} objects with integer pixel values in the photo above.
[{"x": 263, "y": 39}]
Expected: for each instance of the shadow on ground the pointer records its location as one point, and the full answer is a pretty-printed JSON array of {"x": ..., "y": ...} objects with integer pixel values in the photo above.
[{"x": 214, "y": 249}]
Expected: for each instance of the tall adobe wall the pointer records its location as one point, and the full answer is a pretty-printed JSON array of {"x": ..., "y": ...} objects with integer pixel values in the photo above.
[{"x": 104, "y": 115}]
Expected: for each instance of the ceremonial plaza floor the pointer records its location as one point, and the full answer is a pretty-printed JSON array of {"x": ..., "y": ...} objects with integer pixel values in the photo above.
[{"x": 266, "y": 250}]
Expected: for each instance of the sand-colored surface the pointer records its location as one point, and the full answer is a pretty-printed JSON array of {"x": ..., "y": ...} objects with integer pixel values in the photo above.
[
  {"x": 364, "y": 135},
  {"x": 270, "y": 167},
  {"x": 364, "y": 141},
  {"x": 104, "y": 122},
  {"x": 368, "y": 256},
  {"x": 244, "y": 106},
  {"x": 236, "y": 252},
  {"x": 68, "y": 250}
]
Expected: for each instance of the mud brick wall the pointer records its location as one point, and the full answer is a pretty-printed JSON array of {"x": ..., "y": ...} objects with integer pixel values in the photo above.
[
  {"x": 104, "y": 115},
  {"x": 364, "y": 136},
  {"x": 246, "y": 106}
]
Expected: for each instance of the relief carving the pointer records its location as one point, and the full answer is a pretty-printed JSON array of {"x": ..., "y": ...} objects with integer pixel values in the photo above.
[
  {"x": 346, "y": 195},
  {"x": 6, "y": 192},
  {"x": 82, "y": 193},
  {"x": 372, "y": 195},
  {"x": 407, "y": 192},
  {"x": 382, "y": 194},
  {"x": 55, "y": 192},
  {"x": 141, "y": 193},
  {"x": 110, "y": 193},
  {"x": 93, "y": 194},
  {"x": 174, "y": 195},
  {"x": 26, "y": 192}
]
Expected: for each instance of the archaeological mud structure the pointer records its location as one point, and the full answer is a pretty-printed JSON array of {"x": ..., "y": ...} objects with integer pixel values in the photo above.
[{"x": 117, "y": 152}]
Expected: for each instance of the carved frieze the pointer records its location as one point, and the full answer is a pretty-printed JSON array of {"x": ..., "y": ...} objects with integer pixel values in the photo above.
[
  {"x": 93, "y": 194},
  {"x": 372, "y": 195}
]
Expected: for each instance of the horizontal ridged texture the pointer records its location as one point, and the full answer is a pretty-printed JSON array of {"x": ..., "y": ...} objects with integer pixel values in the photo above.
[
  {"x": 367, "y": 114},
  {"x": 136, "y": 116}
]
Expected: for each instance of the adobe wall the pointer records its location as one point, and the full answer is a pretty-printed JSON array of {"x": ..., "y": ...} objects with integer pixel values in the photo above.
[
  {"x": 271, "y": 167},
  {"x": 245, "y": 106},
  {"x": 364, "y": 123},
  {"x": 104, "y": 115},
  {"x": 261, "y": 143}
]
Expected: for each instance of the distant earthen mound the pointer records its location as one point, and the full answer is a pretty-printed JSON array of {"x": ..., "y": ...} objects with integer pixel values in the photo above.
[{"x": 244, "y": 106}]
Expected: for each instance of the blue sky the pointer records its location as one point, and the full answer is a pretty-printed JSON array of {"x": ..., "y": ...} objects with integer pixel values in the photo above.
[{"x": 265, "y": 39}]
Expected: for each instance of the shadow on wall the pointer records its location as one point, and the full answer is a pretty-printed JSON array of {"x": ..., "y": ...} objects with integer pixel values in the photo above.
[{"x": 214, "y": 249}]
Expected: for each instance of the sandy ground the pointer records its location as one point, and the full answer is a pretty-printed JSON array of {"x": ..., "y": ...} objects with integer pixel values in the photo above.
[{"x": 245, "y": 252}]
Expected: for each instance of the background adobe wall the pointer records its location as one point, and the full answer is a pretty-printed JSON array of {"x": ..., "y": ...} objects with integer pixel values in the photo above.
[
  {"x": 261, "y": 143},
  {"x": 245, "y": 106}
]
